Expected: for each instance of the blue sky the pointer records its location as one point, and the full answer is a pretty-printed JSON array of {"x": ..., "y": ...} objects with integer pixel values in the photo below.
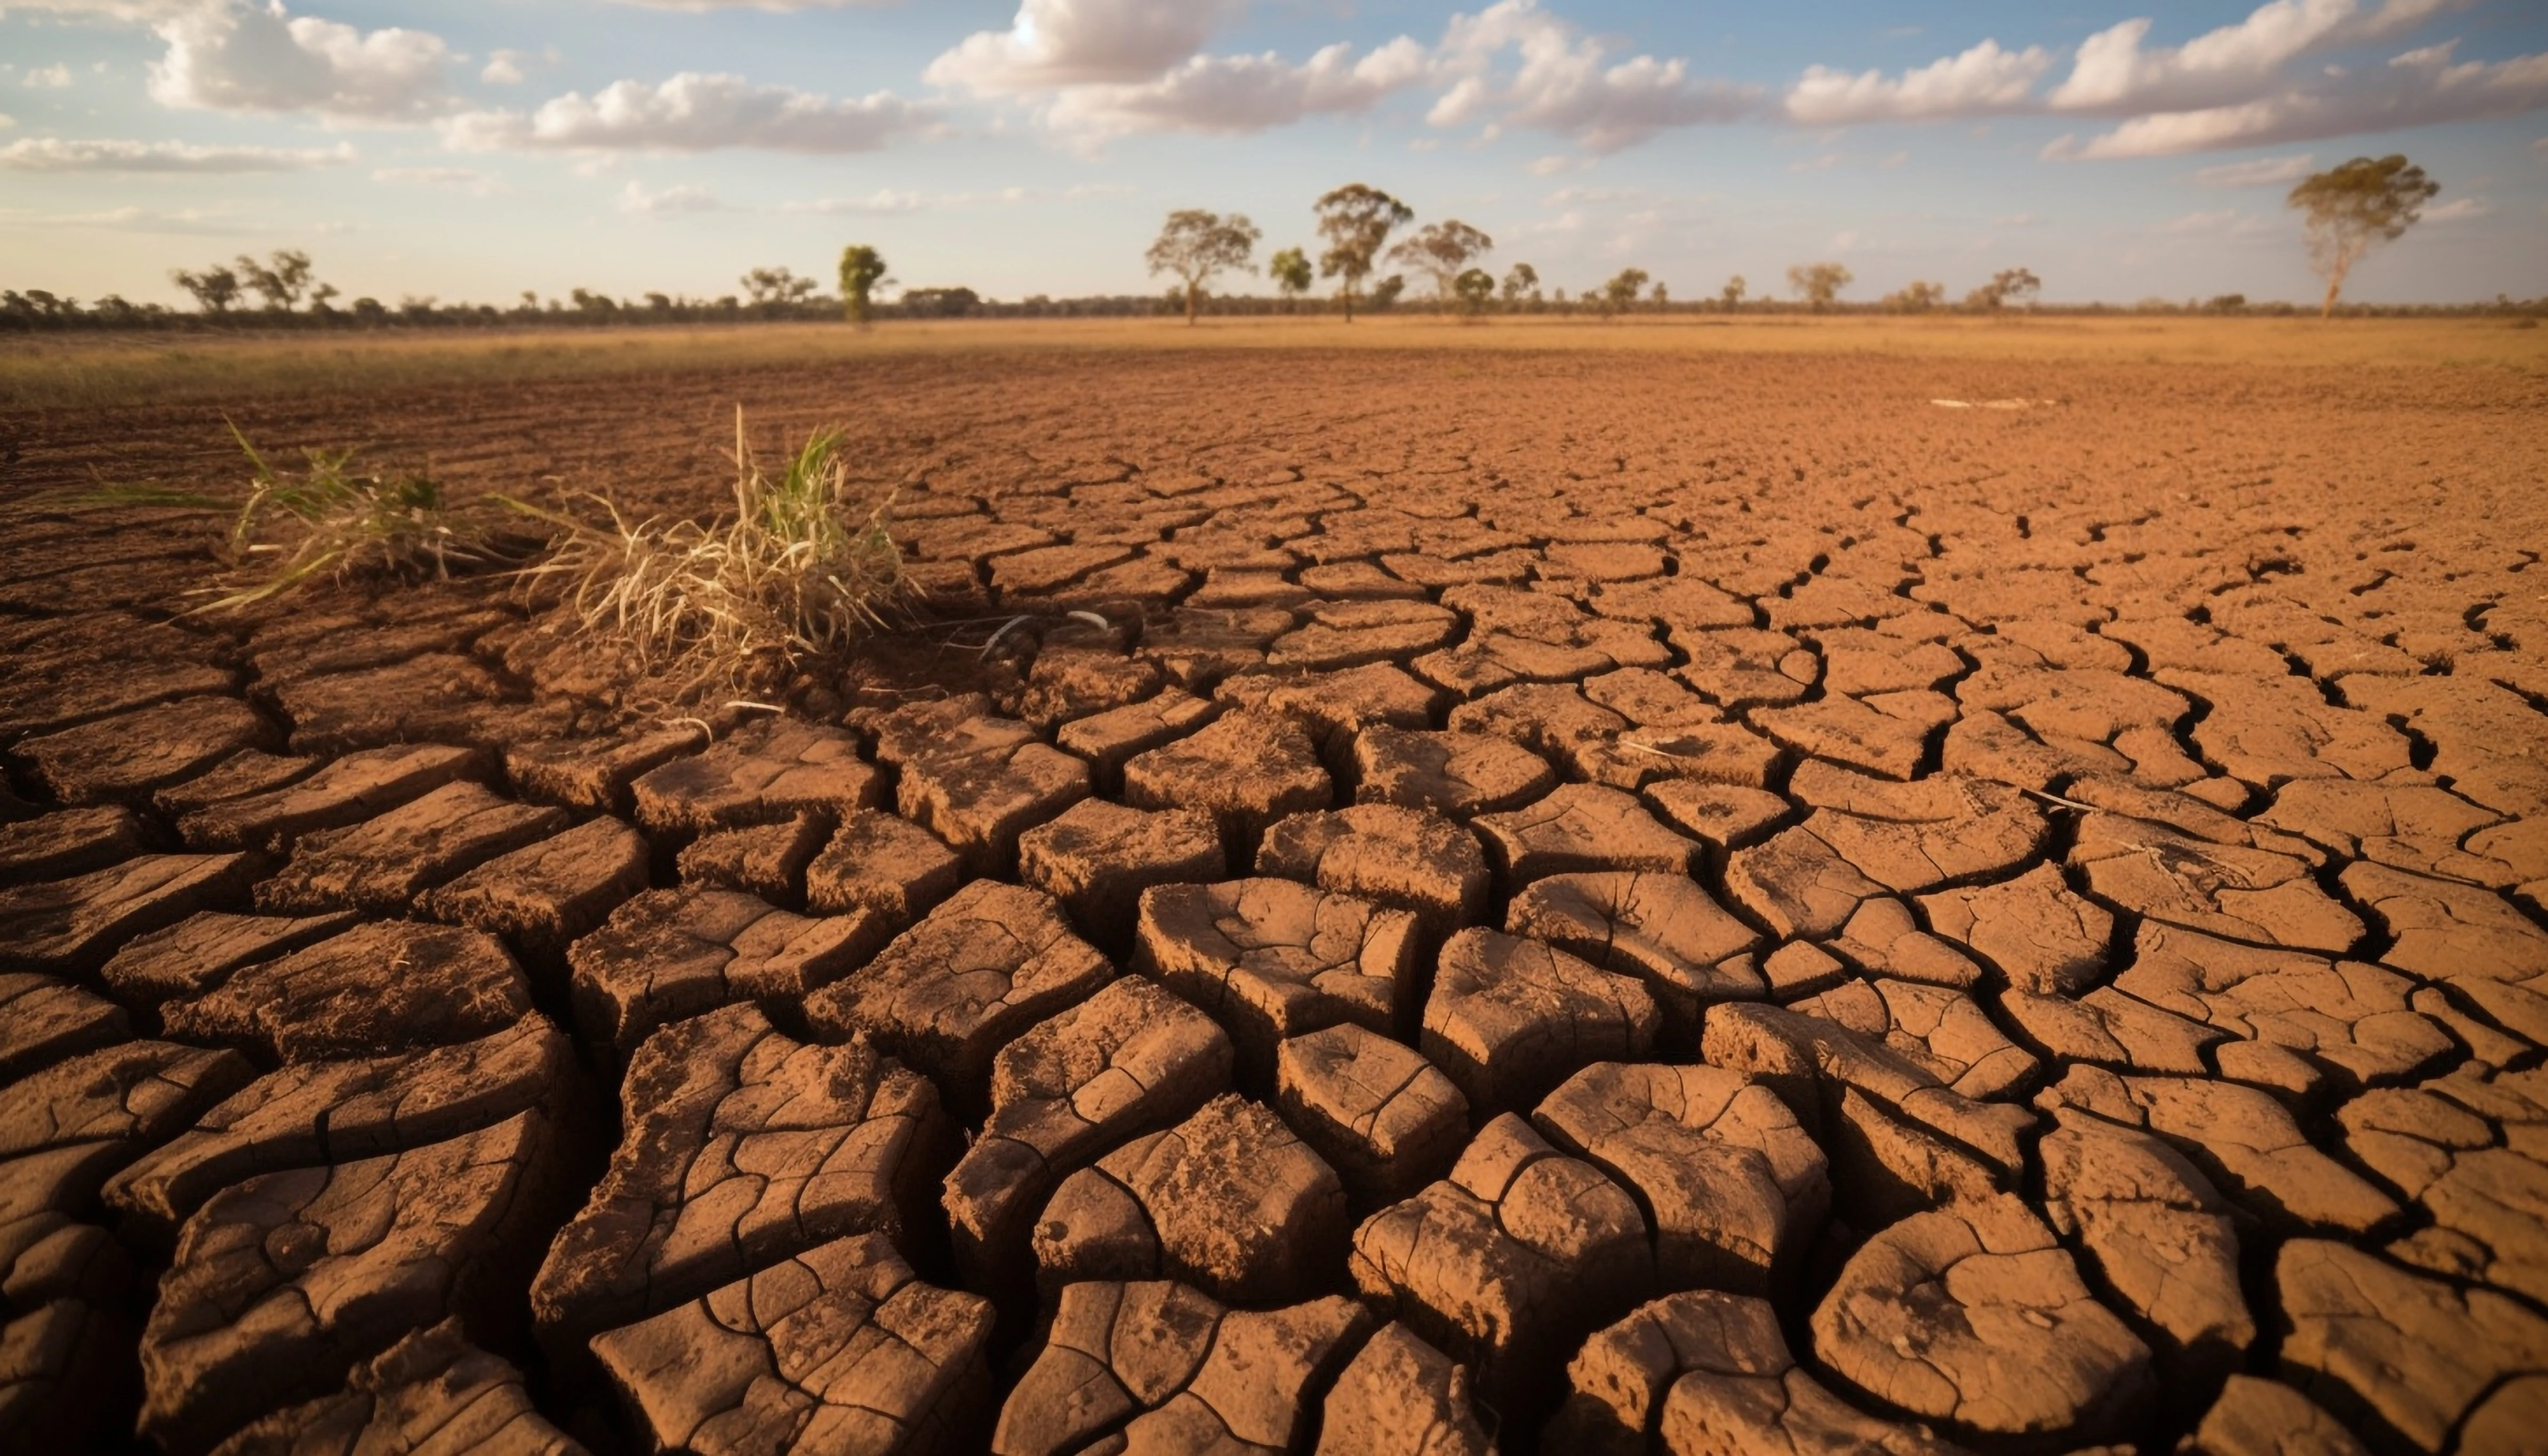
[{"x": 476, "y": 149}]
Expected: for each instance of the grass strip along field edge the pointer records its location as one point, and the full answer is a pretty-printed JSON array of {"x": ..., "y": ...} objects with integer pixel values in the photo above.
[{"x": 91, "y": 372}]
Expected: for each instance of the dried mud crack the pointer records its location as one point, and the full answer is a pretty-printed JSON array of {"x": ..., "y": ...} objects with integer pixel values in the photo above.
[{"x": 1595, "y": 904}]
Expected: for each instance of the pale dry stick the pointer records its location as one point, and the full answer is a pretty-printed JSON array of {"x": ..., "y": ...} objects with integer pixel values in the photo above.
[
  {"x": 2054, "y": 799},
  {"x": 1656, "y": 749},
  {"x": 1086, "y": 616}
]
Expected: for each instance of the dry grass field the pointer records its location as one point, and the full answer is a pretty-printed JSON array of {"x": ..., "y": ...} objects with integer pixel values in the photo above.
[
  {"x": 1783, "y": 883},
  {"x": 52, "y": 371}
]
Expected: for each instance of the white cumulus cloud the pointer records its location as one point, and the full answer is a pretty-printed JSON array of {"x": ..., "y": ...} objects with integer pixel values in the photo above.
[
  {"x": 60, "y": 155},
  {"x": 1234, "y": 94},
  {"x": 1566, "y": 82},
  {"x": 704, "y": 5},
  {"x": 2116, "y": 74},
  {"x": 1072, "y": 42},
  {"x": 1981, "y": 81},
  {"x": 230, "y": 56},
  {"x": 55, "y": 77},
  {"x": 2248, "y": 83},
  {"x": 1102, "y": 67},
  {"x": 2424, "y": 87},
  {"x": 693, "y": 111}
]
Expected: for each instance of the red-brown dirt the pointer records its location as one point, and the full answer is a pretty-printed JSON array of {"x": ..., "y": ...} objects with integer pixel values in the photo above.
[{"x": 1577, "y": 902}]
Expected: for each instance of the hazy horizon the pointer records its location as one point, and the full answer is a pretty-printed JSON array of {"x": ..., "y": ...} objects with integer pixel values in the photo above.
[{"x": 478, "y": 149}]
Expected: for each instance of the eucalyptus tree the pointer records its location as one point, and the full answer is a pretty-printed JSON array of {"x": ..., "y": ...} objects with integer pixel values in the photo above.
[
  {"x": 1196, "y": 245},
  {"x": 1290, "y": 269},
  {"x": 2007, "y": 286},
  {"x": 1819, "y": 283},
  {"x": 862, "y": 268},
  {"x": 1356, "y": 221},
  {"x": 1443, "y": 251},
  {"x": 2351, "y": 210},
  {"x": 1521, "y": 284}
]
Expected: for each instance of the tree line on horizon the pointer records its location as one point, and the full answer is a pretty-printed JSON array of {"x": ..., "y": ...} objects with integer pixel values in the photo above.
[
  {"x": 2347, "y": 212},
  {"x": 1356, "y": 221}
]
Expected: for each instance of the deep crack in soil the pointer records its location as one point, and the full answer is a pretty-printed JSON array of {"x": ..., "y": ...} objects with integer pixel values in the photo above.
[{"x": 1572, "y": 903}]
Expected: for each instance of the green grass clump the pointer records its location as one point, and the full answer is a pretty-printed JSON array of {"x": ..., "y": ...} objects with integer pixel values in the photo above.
[
  {"x": 803, "y": 567},
  {"x": 325, "y": 520}
]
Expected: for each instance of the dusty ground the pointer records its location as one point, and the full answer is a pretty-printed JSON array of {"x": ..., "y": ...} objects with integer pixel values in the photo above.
[{"x": 1599, "y": 900}]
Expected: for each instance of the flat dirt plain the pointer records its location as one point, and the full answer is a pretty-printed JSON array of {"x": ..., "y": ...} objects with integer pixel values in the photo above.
[{"x": 1626, "y": 897}]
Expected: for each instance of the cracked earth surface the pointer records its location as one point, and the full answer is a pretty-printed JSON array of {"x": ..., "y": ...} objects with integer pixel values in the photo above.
[{"x": 1574, "y": 903}]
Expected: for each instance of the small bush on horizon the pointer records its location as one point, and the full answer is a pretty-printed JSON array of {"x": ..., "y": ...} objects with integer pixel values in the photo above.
[{"x": 1819, "y": 284}]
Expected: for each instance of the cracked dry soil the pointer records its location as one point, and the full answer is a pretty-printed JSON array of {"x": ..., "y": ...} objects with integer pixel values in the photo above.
[{"x": 1578, "y": 903}]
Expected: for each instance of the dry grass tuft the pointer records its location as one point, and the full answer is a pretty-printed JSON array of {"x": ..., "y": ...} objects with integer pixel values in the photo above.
[
  {"x": 802, "y": 567},
  {"x": 329, "y": 519}
]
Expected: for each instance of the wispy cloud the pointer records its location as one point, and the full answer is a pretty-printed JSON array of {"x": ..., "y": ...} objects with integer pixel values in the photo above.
[
  {"x": 1984, "y": 81},
  {"x": 887, "y": 200},
  {"x": 59, "y": 155},
  {"x": 2460, "y": 210},
  {"x": 185, "y": 220},
  {"x": 457, "y": 179},
  {"x": 693, "y": 111},
  {"x": 116, "y": 9},
  {"x": 2218, "y": 223},
  {"x": 1828, "y": 161},
  {"x": 2271, "y": 171},
  {"x": 671, "y": 202}
]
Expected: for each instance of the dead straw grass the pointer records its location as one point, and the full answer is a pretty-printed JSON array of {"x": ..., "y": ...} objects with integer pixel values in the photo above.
[
  {"x": 329, "y": 519},
  {"x": 803, "y": 567}
]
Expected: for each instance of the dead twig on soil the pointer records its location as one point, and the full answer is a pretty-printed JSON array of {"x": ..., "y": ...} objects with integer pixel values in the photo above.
[{"x": 2054, "y": 799}]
